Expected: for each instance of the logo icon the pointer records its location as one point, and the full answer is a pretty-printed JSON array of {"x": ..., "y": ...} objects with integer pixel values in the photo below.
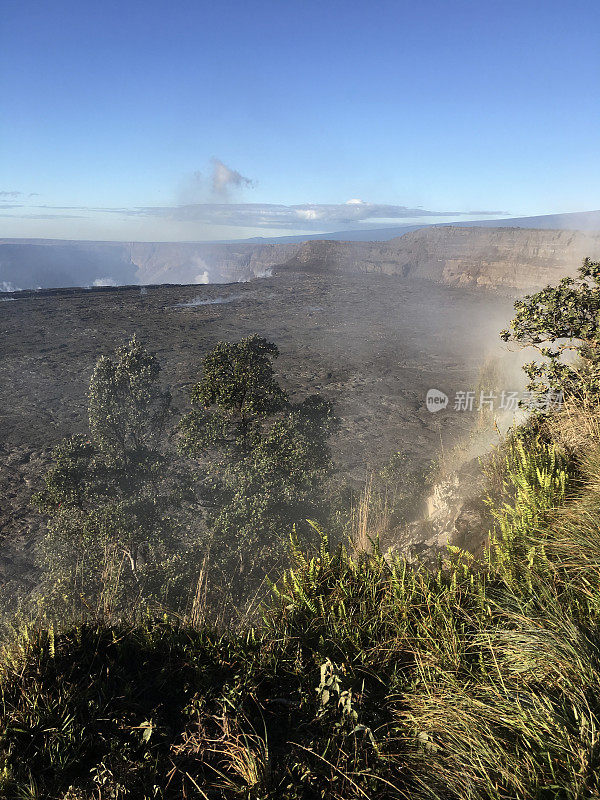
[{"x": 436, "y": 400}]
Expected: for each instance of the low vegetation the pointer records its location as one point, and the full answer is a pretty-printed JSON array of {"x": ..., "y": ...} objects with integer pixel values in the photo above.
[{"x": 366, "y": 677}]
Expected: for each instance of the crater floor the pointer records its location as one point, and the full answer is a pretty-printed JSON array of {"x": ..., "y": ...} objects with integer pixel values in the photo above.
[{"x": 373, "y": 344}]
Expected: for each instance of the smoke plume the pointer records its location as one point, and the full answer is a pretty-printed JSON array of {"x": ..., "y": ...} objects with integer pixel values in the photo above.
[{"x": 222, "y": 185}]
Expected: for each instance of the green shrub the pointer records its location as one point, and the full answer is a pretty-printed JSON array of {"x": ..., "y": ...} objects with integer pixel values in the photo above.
[{"x": 261, "y": 461}]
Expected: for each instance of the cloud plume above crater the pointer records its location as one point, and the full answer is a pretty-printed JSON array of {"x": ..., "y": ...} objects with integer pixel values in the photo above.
[
  {"x": 222, "y": 185},
  {"x": 224, "y": 179}
]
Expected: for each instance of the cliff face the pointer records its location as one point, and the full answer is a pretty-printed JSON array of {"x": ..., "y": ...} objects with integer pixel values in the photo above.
[
  {"x": 511, "y": 258},
  {"x": 29, "y": 264},
  {"x": 504, "y": 258},
  {"x": 514, "y": 258},
  {"x": 204, "y": 263}
]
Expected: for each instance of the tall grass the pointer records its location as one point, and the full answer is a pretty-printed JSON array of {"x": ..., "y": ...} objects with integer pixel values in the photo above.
[{"x": 366, "y": 678}]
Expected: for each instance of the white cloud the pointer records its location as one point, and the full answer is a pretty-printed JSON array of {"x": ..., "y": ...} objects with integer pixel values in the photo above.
[
  {"x": 224, "y": 179},
  {"x": 196, "y": 220},
  {"x": 315, "y": 216},
  {"x": 308, "y": 213},
  {"x": 222, "y": 185}
]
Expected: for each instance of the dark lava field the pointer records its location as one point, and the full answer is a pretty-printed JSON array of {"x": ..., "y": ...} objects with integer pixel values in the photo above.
[{"x": 372, "y": 344}]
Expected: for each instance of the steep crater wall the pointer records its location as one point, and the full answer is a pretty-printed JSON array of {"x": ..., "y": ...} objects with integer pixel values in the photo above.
[
  {"x": 496, "y": 258},
  {"x": 501, "y": 258}
]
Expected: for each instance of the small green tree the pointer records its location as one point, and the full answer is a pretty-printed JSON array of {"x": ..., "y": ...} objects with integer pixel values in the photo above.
[
  {"x": 127, "y": 408},
  {"x": 563, "y": 323},
  {"x": 263, "y": 460},
  {"x": 112, "y": 496}
]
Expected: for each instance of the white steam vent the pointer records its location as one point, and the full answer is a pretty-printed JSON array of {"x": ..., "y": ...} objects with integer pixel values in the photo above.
[{"x": 104, "y": 282}]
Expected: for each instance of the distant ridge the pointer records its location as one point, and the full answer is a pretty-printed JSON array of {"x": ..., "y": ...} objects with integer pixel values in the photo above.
[{"x": 576, "y": 221}]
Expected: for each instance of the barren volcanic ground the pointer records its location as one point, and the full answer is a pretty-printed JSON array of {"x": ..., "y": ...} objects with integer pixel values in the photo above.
[{"x": 371, "y": 343}]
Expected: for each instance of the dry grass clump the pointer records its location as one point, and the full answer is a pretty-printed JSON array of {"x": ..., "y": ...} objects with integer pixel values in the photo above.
[
  {"x": 370, "y": 518},
  {"x": 575, "y": 427}
]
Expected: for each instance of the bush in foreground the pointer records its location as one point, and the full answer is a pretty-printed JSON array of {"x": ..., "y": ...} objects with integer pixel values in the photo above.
[{"x": 365, "y": 679}]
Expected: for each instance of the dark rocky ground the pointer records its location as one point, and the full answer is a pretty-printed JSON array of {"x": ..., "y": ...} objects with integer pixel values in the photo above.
[{"x": 372, "y": 344}]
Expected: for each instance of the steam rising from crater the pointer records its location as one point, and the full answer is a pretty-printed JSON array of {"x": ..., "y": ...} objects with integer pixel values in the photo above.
[
  {"x": 105, "y": 282},
  {"x": 209, "y": 301}
]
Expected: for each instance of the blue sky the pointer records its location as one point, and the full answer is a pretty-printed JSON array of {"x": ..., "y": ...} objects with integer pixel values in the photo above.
[{"x": 194, "y": 120}]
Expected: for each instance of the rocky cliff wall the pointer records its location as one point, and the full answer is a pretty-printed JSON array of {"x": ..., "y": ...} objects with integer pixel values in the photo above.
[
  {"x": 203, "y": 263},
  {"x": 510, "y": 258},
  {"x": 501, "y": 258}
]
